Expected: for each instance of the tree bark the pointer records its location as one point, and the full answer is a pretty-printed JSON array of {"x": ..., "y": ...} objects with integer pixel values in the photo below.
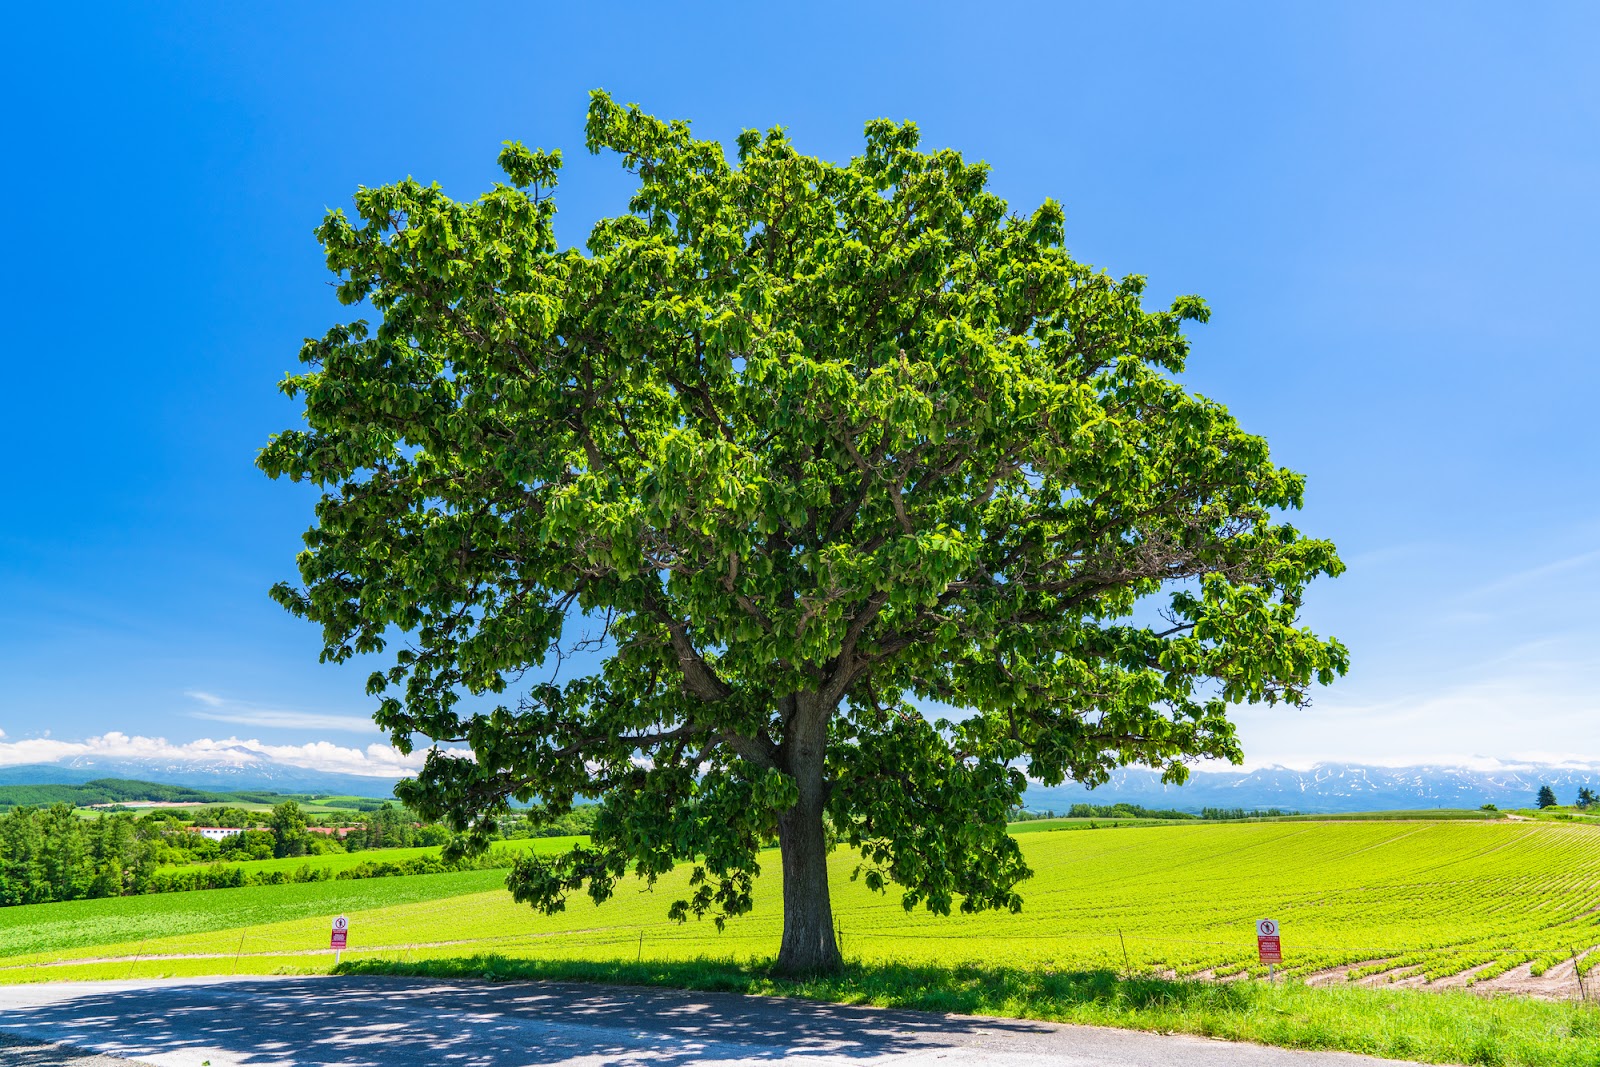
[{"x": 808, "y": 945}]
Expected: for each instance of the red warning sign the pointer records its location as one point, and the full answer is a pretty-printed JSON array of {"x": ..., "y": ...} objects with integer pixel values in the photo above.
[
  {"x": 341, "y": 930},
  {"x": 1268, "y": 945}
]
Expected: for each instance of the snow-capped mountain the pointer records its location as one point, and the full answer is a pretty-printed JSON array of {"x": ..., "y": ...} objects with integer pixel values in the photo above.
[
  {"x": 1325, "y": 787},
  {"x": 1330, "y": 787}
]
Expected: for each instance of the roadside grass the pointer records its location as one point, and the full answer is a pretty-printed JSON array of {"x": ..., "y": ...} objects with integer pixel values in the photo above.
[{"x": 1445, "y": 1027}]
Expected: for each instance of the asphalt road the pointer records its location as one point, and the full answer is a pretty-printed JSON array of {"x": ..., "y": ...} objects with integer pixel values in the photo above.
[{"x": 399, "y": 1022}]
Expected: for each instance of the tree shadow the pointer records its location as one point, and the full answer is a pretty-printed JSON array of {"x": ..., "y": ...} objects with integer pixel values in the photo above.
[
  {"x": 355, "y": 1019},
  {"x": 18, "y": 1052}
]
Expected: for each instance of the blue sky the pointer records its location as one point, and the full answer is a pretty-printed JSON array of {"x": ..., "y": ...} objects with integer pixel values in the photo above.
[{"x": 1391, "y": 209}]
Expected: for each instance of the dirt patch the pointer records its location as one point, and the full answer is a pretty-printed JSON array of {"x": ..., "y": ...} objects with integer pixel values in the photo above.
[
  {"x": 1560, "y": 981},
  {"x": 1341, "y": 973}
]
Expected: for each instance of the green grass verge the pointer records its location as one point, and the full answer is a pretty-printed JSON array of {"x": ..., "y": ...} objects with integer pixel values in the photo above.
[{"x": 1449, "y": 1027}]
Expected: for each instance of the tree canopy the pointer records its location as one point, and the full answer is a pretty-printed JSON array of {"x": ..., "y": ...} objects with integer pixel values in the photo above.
[{"x": 803, "y": 499}]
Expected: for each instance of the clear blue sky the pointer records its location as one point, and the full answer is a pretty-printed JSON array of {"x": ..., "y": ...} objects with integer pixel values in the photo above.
[{"x": 1391, "y": 208}]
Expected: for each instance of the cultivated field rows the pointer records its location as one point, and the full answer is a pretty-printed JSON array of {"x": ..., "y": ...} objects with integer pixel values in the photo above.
[{"x": 1486, "y": 903}]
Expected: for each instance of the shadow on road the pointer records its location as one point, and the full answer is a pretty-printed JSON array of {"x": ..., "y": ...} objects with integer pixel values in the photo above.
[{"x": 395, "y": 1021}]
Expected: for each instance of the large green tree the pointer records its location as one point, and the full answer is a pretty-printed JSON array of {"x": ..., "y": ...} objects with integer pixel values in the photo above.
[{"x": 787, "y": 458}]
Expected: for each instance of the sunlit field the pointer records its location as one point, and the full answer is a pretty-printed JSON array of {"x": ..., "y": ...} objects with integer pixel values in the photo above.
[{"x": 1416, "y": 902}]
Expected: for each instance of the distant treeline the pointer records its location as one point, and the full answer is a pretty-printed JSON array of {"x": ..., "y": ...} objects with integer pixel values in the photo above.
[
  {"x": 1226, "y": 814},
  {"x": 1103, "y": 811},
  {"x": 1137, "y": 811},
  {"x": 129, "y": 790},
  {"x": 233, "y": 876},
  {"x": 577, "y": 822},
  {"x": 107, "y": 791},
  {"x": 50, "y": 854}
]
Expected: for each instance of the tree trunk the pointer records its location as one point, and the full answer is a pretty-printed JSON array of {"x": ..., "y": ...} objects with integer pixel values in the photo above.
[{"x": 808, "y": 942}]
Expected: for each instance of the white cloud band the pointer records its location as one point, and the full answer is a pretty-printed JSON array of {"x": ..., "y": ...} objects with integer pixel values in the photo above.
[{"x": 375, "y": 760}]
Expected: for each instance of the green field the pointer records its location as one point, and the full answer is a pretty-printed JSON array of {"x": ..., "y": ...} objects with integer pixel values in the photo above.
[
  {"x": 1146, "y": 926},
  {"x": 1402, "y": 900}
]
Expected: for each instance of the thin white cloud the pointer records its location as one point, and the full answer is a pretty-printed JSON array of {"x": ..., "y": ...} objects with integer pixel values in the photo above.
[
  {"x": 1533, "y": 575},
  {"x": 240, "y": 713},
  {"x": 1529, "y": 707},
  {"x": 376, "y": 760}
]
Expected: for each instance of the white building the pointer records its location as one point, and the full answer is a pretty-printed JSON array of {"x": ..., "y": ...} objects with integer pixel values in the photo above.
[{"x": 215, "y": 833}]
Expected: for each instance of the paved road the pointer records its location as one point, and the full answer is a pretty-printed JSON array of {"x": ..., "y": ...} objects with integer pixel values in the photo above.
[{"x": 399, "y": 1022}]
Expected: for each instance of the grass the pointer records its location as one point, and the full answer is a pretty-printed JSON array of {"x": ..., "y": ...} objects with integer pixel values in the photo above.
[
  {"x": 1180, "y": 900},
  {"x": 1442, "y": 1028},
  {"x": 1442, "y": 896},
  {"x": 207, "y": 920}
]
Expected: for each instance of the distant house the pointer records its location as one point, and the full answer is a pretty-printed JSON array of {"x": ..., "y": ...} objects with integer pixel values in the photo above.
[
  {"x": 215, "y": 833},
  {"x": 340, "y": 830}
]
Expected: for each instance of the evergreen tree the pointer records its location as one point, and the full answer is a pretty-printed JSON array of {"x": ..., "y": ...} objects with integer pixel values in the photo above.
[{"x": 1547, "y": 797}]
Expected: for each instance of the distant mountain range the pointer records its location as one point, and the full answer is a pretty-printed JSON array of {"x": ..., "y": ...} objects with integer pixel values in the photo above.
[
  {"x": 221, "y": 776},
  {"x": 1328, "y": 787}
]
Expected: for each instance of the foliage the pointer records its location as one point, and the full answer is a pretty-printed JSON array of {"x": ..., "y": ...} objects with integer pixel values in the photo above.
[
  {"x": 1586, "y": 797},
  {"x": 1226, "y": 814},
  {"x": 790, "y": 445},
  {"x": 103, "y": 791},
  {"x": 289, "y": 830},
  {"x": 1120, "y": 810},
  {"x": 49, "y": 854},
  {"x": 579, "y": 821},
  {"x": 390, "y": 826},
  {"x": 237, "y": 875},
  {"x": 1547, "y": 797}
]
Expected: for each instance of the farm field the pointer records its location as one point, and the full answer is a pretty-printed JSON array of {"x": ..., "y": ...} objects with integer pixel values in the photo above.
[{"x": 1501, "y": 904}]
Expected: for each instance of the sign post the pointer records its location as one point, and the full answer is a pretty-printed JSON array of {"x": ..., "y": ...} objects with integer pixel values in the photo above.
[
  {"x": 1268, "y": 947},
  {"x": 341, "y": 931}
]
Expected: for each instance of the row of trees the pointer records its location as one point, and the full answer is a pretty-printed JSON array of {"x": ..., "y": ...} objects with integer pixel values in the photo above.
[
  {"x": 1547, "y": 797},
  {"x": 50, "y": 854}
]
